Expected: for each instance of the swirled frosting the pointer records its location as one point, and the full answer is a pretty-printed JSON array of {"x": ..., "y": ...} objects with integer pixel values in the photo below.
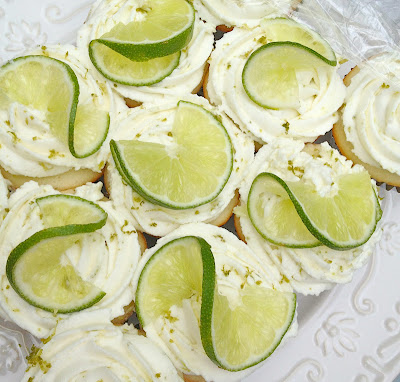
[
  {"x": 107, "y": 257},
  {"x": 371, "y": 115},
  {"x": 104, "y": 15},
  {"x": 152, "y": 124},
  {"x": 87, "y": 347},
  {"x": 236, "y": 265},
  {"x": 309, "y": 270},
  {"x": 240, "y": 12},
  {"x": 27, "y": 145},
  {"x": 3, "y": 198},
  {"x": 321, "y": 93}
]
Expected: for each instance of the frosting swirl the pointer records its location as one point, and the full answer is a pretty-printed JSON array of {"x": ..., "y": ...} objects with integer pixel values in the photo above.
[
  {"x": 309, "y": 270},
  {"x": 107, "y": 257},
  {"x": 104, "y": 15},
  {"x": 321, "y": 93},
  {"x": 236, "y": 265},
  {"x": 152, "y": 124},
  {"x": 27, "y": 145},
  {"x": 371, "y": 115},
  {"x": 88, "y": 347}
]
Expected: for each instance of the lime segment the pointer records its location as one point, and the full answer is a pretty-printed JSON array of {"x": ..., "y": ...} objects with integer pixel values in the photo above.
[
  {"x": 274, "y": 216},
  {"x": 269, "y": 75},
  {"x": 38, "y": 268},
  {"x": 282, "y": 29},
  {"x": 189, "y": 172},
  {"x": 233, "y": 338},
  {"x": 122, "y": 70},
  {"x": 164, "y": 28}
]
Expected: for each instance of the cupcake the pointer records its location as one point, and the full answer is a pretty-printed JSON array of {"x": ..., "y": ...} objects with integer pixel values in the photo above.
[
  {"x": 237, "y": 268},
  {"x": 226, "y": 14},
  {"x": 105, "y": 258},
  {"x": 309, "y": 270},
  {"x": 186, "y": 78},
  {"x": 368, "y": 130},
  {"x": 87, "y": 346},
  {"x": 320, "y": 90},
  {"x": 30, "y": 150},
  {"x": 154, "y": 124}
]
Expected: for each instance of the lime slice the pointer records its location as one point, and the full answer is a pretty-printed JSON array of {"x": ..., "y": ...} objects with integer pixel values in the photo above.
[
  {"x": 89, "y": 131},
  {"x": 45, "y": 84},
  {"x": 233, "y": 338},
  {"x": 269, "y": 75},
  {"x": 342, "y": 221},
  {"x": 282, "y": 29},
  {"x": 166, "y": 26},
  {"x": 51, "y": 87},
  {"x": 38, "y": 269},
  {"x": 189, "y": 172},
  {"x": 274, "y": 216},
  {"x": 122, "y": 70}
]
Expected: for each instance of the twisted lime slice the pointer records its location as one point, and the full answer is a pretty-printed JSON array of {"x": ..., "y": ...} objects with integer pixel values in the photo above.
[
  {"x": 122, "y": 70},
  {"x": 166, "y": 26},
  {"x": 233, "y": 338},
  {"x": 274, "y": 216},
  {"x": 38, "y": 269},
  {"x": 343, "y": 220},
  {"x": 189, "y": 172},
  {"x": 51, "y": 87}
]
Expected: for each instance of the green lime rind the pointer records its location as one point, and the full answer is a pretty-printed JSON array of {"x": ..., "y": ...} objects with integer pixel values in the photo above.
[
  {"x": 285, "y": 29},
  {"x": 132, "y": 178},
  {"x": 27, "y": 95},
  {"x": 89, "y": 131},
  {"x": 251, "y": 73},
  {"x": 143, "y": 51},
  {"x": 122, "y": 70},
  {"x": 184, "y": 268},
  {"x": 293, "y": 233},
  {"x": 60, "y": 238},
  {"x": 316, "y": 231}
]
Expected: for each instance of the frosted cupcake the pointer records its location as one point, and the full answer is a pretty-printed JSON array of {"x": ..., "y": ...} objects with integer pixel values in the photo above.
[
  {"x": 226, "y": 14},
  {"x": 186, "y": 78},
  {"x": 106, "y": 258},
  {"x": 87, "y": 346},
  {"x": 309, "y": 270},
  {"x": 29, "y": 149},
  {"x": 320, "y": 92},
  {"x": 368, "y": 131},
  {"x": 154, "y": 124},
  {"x": 238, "y": 270}
]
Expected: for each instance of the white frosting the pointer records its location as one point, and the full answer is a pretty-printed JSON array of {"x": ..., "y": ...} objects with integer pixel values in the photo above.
[
  {"x": 321, "y": 93},
  {"x": 371, "y": 115},
  {"x": 236, "y": 264},
  {"x": 240, "y": 12},
  {"x": 107, "y": 257},
  {"x": 104, "y": 15},
  {"x": 152, "y": 124},
  {"x": 27, "y": 145},
  {"x": 3, "y": 198},
  {"x": 309, "y": 270},
  {"x": 87, "y": 347}
]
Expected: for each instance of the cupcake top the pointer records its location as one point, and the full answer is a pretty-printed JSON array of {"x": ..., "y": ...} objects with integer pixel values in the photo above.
[
  {"x": 153, "y": 124},
  {"x": 371, "y": 115},
  {"x": 185, "y": 78},
  {"x": 29, "y": 148},
  {"x": 87, "y": 346},
  {"x": 236, "y": 266},
  {"x": 241, "y": 12},
  {"x": 321, "y": 93},
  {"x": 106, "y": 258},
  {"x": 309, "y": 270},
  {"x": 3, "y": 198}
]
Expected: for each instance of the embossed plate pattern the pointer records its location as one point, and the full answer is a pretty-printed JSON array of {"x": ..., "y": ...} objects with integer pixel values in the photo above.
[{"x": 351, "y": 333}]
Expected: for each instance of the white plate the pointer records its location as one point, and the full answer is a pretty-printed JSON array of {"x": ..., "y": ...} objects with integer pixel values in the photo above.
[{"x": 350, "y": 334}]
